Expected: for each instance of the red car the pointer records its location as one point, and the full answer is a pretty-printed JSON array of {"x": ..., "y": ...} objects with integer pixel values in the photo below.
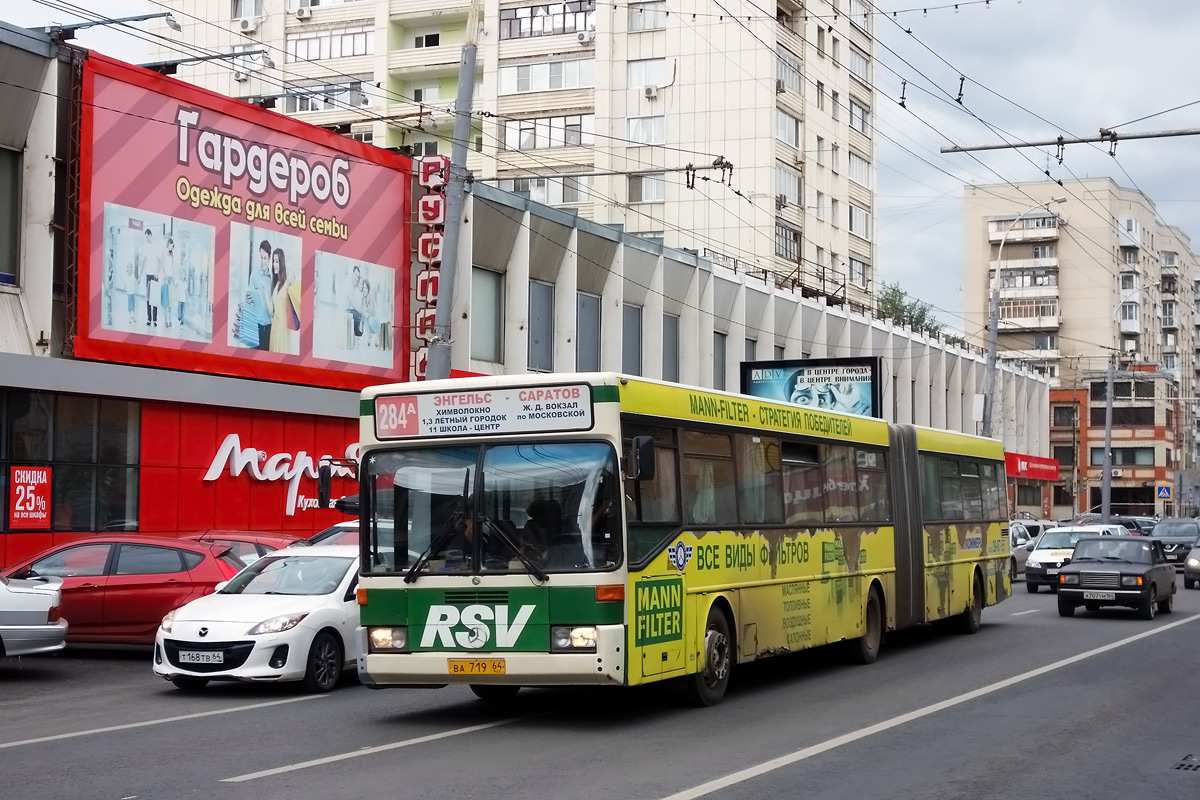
[
  {"x": 117, "y": 589},
  {"x": 248, "y": 546}
]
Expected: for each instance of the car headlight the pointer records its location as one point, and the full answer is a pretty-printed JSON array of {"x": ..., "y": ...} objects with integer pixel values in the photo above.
[
  {"x": 1194, "y": 562},
  {"x": 1131, "y": 580},
  {"x": 168, "y": 622},
  {"x": 284, "y": 622},
  {"x": 1032, "y": 562},
  {"x": 1068, "y": 579},
  {"x": 581, "y": 638},
  {"x": 385, "y": 639}
]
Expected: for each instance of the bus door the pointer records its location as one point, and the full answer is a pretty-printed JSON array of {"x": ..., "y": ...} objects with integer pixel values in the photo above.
[
  {"x": 903, "y": 466},
  {"x": 657, "y": 615}
]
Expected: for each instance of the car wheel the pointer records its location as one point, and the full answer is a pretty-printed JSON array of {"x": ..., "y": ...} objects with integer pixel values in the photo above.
[
  {"x": 325, "y": 662},
  {"x": 1065, "y": 608},
  {"x": 1167, "y": 606},
  {"x": 1012, "y": 570},
  {"x": 495, "y": 693},
  {"x": 866, "y": 647},
  {"x": 970, "y": 620},
  {"x": 1030, "y": 587},
  {"x": 186, "y": 684},
  {"x": 1148, "y": 607},
  {"x": 1189, "y": 583},
  {"x": 707, "y": 687}
]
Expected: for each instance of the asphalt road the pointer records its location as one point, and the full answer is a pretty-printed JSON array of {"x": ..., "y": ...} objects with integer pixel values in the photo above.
[{"x": 1098, "y": 706}]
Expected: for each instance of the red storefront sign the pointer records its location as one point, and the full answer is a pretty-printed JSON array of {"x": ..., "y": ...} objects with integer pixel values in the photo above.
[
  {"x": 1035, "y": 468},
  {"x": 28, "y": 498}
]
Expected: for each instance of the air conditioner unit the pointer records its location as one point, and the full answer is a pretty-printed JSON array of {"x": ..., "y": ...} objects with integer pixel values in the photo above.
[
  {"x": 651, "y": 92},
  {"x": 585, "y": 37},
  {"x": 304, "y": 12},
  {"x": 780, "y": 88},
  {"x": 781, "y": 202},
  {"x": 240, "y": 77},
  {"x": 246, "y": 24},
  {"x": 1117, "y": 473}
]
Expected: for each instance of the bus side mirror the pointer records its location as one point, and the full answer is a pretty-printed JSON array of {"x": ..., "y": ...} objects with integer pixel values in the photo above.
[
  {"x": 324, "y": 485},
  {"x": 643, "y": 458}
]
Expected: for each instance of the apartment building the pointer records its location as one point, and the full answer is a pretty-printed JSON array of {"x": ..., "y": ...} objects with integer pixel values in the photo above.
[
  {"x": 1096, "y": 277},
  {"x": 743, "y": 135}
]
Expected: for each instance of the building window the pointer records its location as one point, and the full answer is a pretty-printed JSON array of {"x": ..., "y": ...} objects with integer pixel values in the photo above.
[
  {"x": 1062, "y": 495},
  {"x": 551, "y": 191},
  {"x": 1168, "y": 312},
  {"x": 428, "y": 40},
  {"x": 325, "y": 97},
  {"x": 1129, "y": 312},
  {"x": 1064, "y": 454},
  {"x": 647, "y": 72},
  {"x": 651, "y": 236},
  {"x": 1045, "y": 341},
  {"x": 670, "y": 365},
  {"x": 1128, "y": 281},
  {"x": 820, "y": 96},
  {"x": 631, "y": 339},
  {"x": 860, "y": 272},
  {"x": 1169, "y": 258},
  {"x": 240, "y": 9},
  {"x": 545, "y": 132},
  {"x": 424, "y": 148},
  {"x": 1129, "y": 254},
  {"x": 834, "y": 216},
  {"x": 820, "y": 40},
  {"x": 10, "y": 215},
  {"x": 647, "y": 188},
  {"x": 788, "y": 185},
  {"x": 821, "y": 150},
  {"x": 835, "y": 50},
  {"x": 647, "y": 16},
  {"x": 646, "y": 130},
  {"x": 1125, "y": 416},
  {"x": 1124, "y": 456},
  {"x": 576, "y": 73},
  {"x": 487, "y": 309},
  {"x": 779, "y": 352},
  {"x": 860, "y": 118},
  {"x": 788, "y": 69},
  {"x": 1170, "y": 361},
  {"x": 333, "y": 43},
  {"x": 859, "y": 65},
  {"x": 835, "y": 156},
  {"x": 587, "y": 332},
  {"x": 1029, "y": 495},
  {"x": 860, "y": 170},
  {"x": 251, "y": 61},
  {"x": 719, "y": 340},
  {"x": 91, "y": 446},
  {"x": 787, "y": 128},
  {"x": 541, "y": 326},
  {"x": 1142, "y": 389},
  {"x": 1043, "y": 251},
  {"x": 548, "y": 20},
  {"x": 835, "y": 103},
  {"x": 821, "y": 209},
  {"x": 425, "y": 94},
  {"x": 860, "y": 222},
  {"x": 1025, "y": 308},
  {"x": 751, "y": 349},
  {"x": 787, "y": 241}
]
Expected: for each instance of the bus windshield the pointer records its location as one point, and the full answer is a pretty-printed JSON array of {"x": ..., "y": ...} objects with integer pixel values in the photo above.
[{"x": 538, "y": 508}]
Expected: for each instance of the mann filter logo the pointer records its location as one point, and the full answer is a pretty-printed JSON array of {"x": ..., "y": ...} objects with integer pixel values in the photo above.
[
  {"x": 679, "y": 554},
  {"x": 473, "y": 627},
  {"x": 659, "y": 610}
]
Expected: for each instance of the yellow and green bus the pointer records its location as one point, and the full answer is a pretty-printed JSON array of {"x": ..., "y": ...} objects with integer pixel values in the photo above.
[{"x": 602, "y": 529}]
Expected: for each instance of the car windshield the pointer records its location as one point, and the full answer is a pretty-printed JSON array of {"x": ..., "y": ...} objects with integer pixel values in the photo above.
[
  {"x": 345, "y": 535},
  {"x": 1058, "y": 540},
  {"x": 290, "y": 574},
  {"x": 1177, "y": 529},
  {"x": 1113, "y": 548},
  {"x": 538, "y": 508}
]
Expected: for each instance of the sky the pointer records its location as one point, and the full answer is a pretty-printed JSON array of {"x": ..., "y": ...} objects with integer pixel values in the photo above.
[{"x": 1033, "y": 69}]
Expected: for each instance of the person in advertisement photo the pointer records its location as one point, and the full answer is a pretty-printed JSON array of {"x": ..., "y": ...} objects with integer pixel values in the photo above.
[
  {"x": 267, "y": 313},
  {"x": 829, "y": 392},
  {"x": 147, "y": 259},
  {"x": 354, "y": 311}
]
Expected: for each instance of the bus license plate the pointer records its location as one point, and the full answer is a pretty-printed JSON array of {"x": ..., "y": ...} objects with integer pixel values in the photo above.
[
  {"x": 1099, "y": 595},
  {"x": 477, "y": 666}
]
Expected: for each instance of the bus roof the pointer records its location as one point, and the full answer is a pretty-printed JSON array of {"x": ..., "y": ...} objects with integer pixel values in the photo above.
[{"x": 938, "y": 441}]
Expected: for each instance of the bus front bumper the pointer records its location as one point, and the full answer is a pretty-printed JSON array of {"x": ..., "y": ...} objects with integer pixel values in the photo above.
[{"x": 605, "y": 667}]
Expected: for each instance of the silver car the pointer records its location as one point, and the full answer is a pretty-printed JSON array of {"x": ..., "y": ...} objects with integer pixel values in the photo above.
[
  {"x": 29, "y": 617},
  {"x": 1022, "y": 532}
]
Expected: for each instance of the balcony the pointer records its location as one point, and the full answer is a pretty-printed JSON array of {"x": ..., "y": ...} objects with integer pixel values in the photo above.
[
  {"x": 442, "y": 60},
  {"x": 1029, "y": 355},
  {"x": 419, "y": 10},
  {"x": 1130, "y": 233},
  {"x": 1027, "y": 230},
  {"x": 1170, "y": 322},
  {"x": 1044, "y": 323},
  {"x": 1131, "y": 326}
]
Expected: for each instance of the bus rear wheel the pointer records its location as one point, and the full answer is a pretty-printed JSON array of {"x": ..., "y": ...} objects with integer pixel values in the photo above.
[
  {"x": 707, "y": 687},
  {"x": 970, "y": 620},
  {"x": 495, "y": 693},
  {"x": 866, "y": 647}
]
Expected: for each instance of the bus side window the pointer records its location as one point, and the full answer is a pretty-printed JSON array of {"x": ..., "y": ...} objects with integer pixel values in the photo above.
[
  {"x": 874, "y": 504},
  {"x": 993, "y": 507},
  {"x": 931, "y": 490},
  {"x": 759, "y": 479},
  {"x": 971, "y": 490},
  {"x": 951, "y": 484},
  {"x": 803, "y": 484},
  {"x": 841, "y": 488},
  {"x": 708, "y": 478}
]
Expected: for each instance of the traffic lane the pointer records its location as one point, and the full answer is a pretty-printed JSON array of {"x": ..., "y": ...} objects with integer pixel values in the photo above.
[
  {"x": 1104, "y": 727},
  {"x": 774, "y": 707}
]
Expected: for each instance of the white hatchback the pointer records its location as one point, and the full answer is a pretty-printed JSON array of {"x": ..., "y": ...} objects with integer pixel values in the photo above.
[{"x": 289, "y": 616}]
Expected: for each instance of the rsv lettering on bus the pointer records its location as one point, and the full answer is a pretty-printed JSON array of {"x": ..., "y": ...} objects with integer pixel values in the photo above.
[{"x": 471, "y": 627}]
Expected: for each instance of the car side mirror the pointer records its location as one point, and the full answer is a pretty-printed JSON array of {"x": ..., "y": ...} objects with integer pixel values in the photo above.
[
  {"x": 324, "y": 485},
  {"x": 1031, "y": 545},
  {"x": 24, "y": 575},
  {"x": 643, "y": 458},
  {"x": 1022, "y": 541}
]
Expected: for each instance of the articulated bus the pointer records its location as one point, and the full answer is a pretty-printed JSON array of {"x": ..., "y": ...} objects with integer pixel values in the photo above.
[{"x": 601, "y": 529}]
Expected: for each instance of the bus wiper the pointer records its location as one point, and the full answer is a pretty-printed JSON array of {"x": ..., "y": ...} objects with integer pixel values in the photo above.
[{"x": 502, "y": 534}]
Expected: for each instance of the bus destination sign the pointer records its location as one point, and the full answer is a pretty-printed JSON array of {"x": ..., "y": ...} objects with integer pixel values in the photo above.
[{"x": 534, "y": 409}]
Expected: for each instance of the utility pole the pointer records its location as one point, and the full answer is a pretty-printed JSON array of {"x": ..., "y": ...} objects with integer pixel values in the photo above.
[
  {"x": 456, "y": 200},
  {"x": 989, "y": 391},
  {"x": 1106, "y": 476}
]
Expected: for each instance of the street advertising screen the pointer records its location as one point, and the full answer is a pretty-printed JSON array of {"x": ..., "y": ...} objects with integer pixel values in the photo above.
[
  {"x": 219, "y": 237},
  {"x": 845, "y": 385}
]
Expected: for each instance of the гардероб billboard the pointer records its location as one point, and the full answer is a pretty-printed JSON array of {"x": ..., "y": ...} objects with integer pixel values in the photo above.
[{"x": 219, "y": 237}]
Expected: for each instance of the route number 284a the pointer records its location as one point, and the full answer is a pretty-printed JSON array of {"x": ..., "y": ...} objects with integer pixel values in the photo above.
[{"x": 396, "y": 416}]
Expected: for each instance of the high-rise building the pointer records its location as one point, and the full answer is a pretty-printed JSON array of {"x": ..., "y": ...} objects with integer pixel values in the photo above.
[
  {"x": 742, "y": 131},
  {"x": 1095, "y": 278}
]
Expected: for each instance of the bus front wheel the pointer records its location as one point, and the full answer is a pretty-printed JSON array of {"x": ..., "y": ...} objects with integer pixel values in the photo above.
[
  {"x": 707, "y": 687},
  {"x": 495, "y": 692}
]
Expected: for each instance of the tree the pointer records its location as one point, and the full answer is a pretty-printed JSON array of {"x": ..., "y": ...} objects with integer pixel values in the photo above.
[{"x": 892, "y": 303}]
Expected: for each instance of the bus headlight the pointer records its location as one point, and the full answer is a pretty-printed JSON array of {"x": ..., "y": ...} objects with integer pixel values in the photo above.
[
  {"x": 388, "y": 639},
  {"x": 578, "y": 639}
]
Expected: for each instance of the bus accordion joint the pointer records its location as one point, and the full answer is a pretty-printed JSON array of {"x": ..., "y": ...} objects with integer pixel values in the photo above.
[{"x": 610, "y": 594}]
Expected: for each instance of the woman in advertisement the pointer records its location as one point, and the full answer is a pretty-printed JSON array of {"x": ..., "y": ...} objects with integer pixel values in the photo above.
[
  {"x": 151, "y": 270},
  {"x": 282, "y": 312}
]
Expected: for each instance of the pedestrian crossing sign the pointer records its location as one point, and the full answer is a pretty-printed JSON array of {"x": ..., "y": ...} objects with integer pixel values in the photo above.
[{"x": 1164, "y": 492}]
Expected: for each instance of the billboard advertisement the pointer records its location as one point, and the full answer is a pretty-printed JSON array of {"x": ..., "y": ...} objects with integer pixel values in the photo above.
[
  {"x": 219, "y": 237},
  {"x": 845, "y": 385}
]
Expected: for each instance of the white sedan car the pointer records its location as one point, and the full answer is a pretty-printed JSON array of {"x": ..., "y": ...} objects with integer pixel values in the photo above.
[
  {"x": 289, "y": 616},
  {"x": 29, "y": 617}
]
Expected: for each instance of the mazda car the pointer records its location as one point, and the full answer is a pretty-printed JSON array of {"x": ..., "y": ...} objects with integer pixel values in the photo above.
[{"x": 1178, "y": 536}]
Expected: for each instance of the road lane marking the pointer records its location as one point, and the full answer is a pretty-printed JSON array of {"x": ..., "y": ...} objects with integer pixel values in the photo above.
[
  {"x": 163, "y": 721},
  {"x": 367, "y": 751},
  {"x": 757, "y": 770},
  {"x": 1020, "y": 613}
]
